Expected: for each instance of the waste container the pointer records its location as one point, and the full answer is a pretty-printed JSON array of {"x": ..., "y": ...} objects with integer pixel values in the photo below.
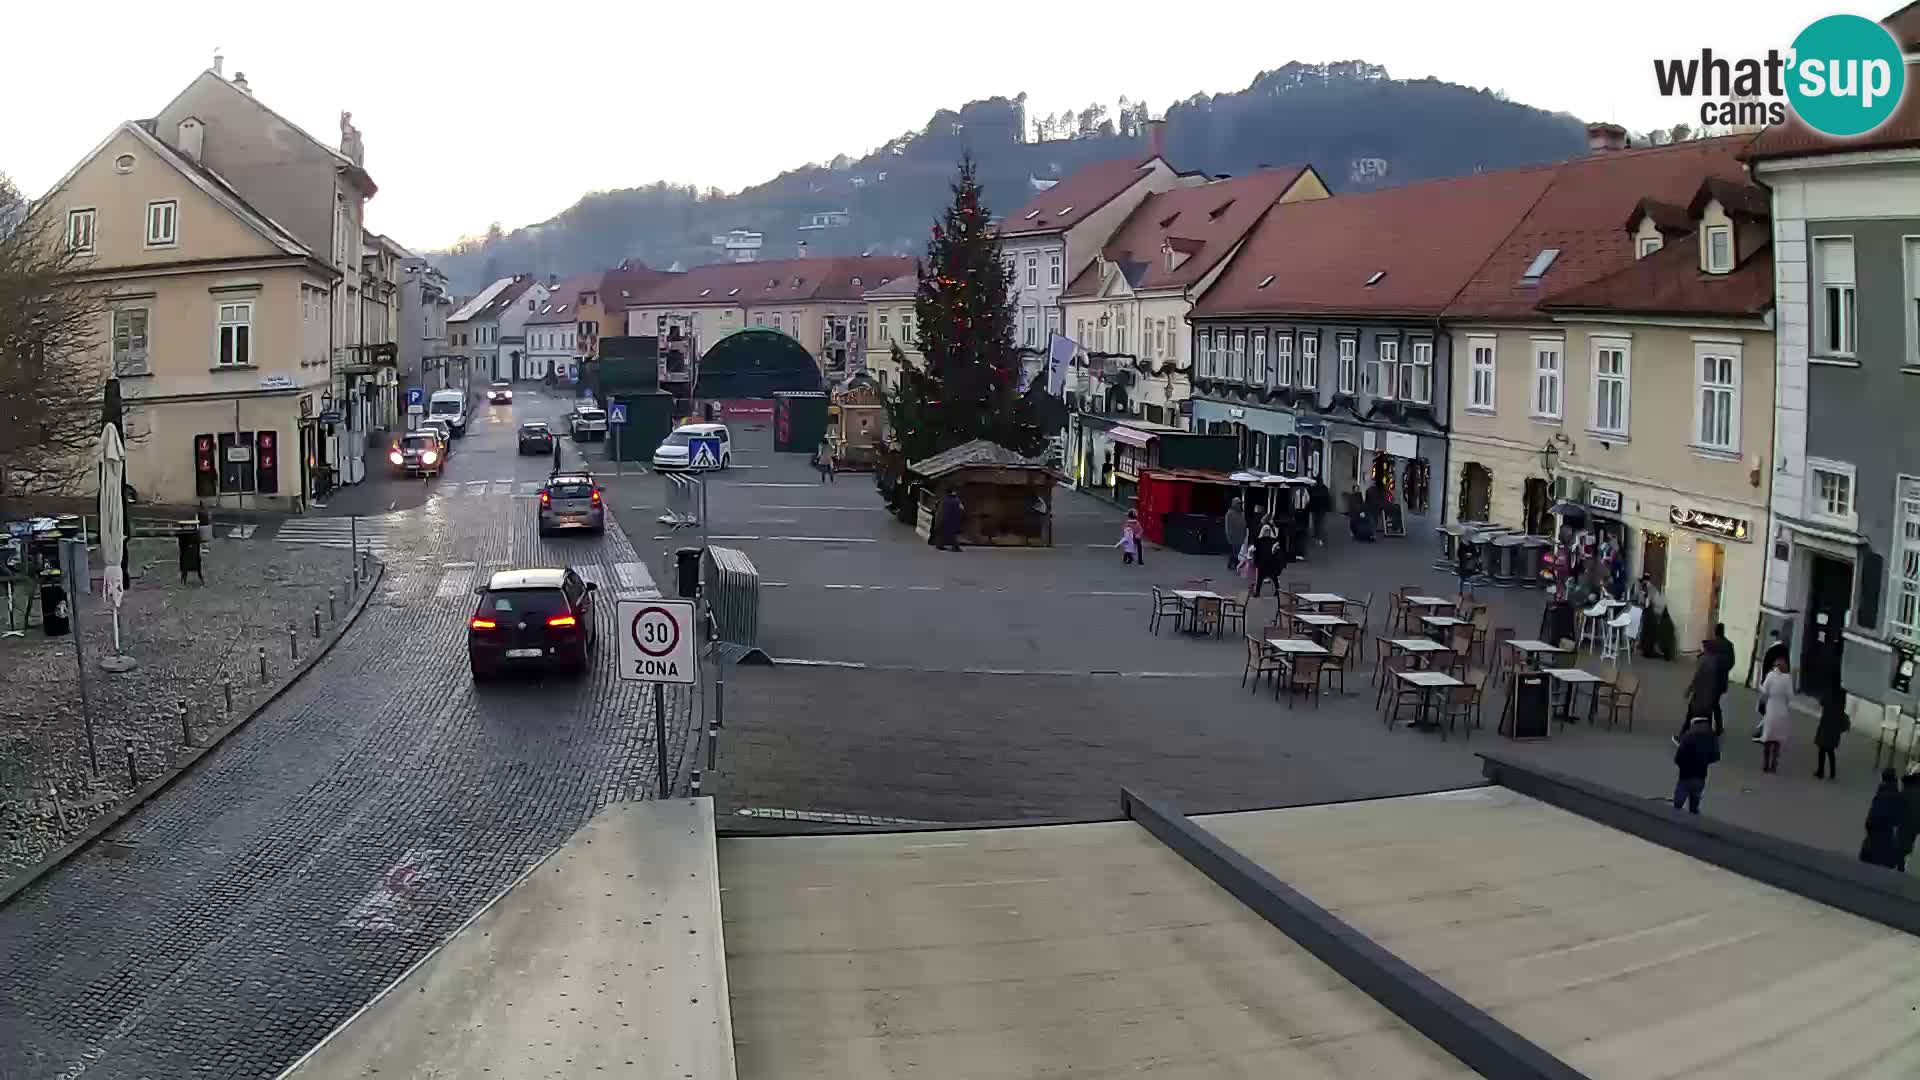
[
  {"x": 53, "y": 604},
  {"x": 687, "y": 560},
  {"x": 189, "y": 534}
]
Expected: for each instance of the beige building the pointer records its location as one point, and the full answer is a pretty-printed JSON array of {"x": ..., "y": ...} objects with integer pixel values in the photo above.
[
  {"x": 1644, "y": 396},
  {"x": 890, "y": 322},
  {"x": 217, "y": 320}
]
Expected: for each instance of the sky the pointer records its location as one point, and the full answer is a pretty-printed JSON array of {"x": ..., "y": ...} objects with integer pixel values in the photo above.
[{"x": 478, "y": 112}]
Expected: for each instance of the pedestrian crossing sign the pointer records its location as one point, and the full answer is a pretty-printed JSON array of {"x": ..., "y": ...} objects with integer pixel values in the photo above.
[{"x": 703, "y": 452}]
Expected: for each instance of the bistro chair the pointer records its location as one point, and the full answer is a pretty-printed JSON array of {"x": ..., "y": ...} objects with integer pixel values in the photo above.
[
  {"x": 1361, "y": 612},
  {"x": 1481, "y": 621},
  {"x": 1496, "y": 656},
  {"x": 1260, "y": 661},
  {"x": 1277, "y": 630},
  {"x": 1207, "y": 615},
  {"x": 1593, "y": 625},
  {"x": 1233, "y": 612},
  {"x": 1457, "y": 705},
  {"x": 1303, "y": 677},
  {"x": 1339, "y": 659},
  {"x": 1617, "y": 697},
  {"x": 1382, "y": 648},
  {"x": 1165, "y": 605},
  {"x": 1394, "y": 662},
  {"x": 1401, "y": 694}
]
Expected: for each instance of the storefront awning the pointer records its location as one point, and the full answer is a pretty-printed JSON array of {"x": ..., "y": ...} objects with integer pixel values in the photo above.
[{"x": 1121, "y": 433}]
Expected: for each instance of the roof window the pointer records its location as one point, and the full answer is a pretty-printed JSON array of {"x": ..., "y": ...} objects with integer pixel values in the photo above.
[
  {"x": 1264, "y": 282},
  {"x": 1031, "y": 214},
  {"x": 735, "y": 291},
  {"x": 1538, "y": 267},
  {"x": 704, "y": 292},
  {"x": 1167, "y": 222},
  {"x": 1066, "y": 211},
  {"x": 1375, "y": 279},
  {"x": 1214, "y": 214}
]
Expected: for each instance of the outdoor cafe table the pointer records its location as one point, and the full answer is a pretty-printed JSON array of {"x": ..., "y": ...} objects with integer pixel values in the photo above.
[
  {"x": 1296, "y": 647},
  {"x": 1324, "y": 622},
  {"x": 1573, "y": 679},
  {"x": 1532, "y": 648},
  {"x": 1321, "y": 599},
  {"x": 1417, "y": 646},
  {"x": 1427, "y": 682},
  {"x": 1190, "y": 599},
  {"x": 1441, "y": 622}
]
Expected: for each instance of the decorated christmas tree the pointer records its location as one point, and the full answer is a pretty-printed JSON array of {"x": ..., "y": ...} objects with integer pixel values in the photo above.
[{"x": 967, "y": 386}]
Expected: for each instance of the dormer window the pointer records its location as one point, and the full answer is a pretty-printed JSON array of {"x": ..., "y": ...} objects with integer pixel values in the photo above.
[
  {"x": 1649, "y": 245},
  {"x": 1719, "y": 242}
]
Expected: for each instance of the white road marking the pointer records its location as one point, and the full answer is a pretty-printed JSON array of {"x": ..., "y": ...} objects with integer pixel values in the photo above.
[
  {"x": 829, "y": 539},
  {"x": 1111, "y": 592},
  {"x": 783, "y": 506},
  {"x": 635, "y": 577},
  {"x": 454, "y": 584},
  {"x": 791, "y": 661},
  {"x": 457, "y": 566},
  {"x": 766, "y": 484},
  {"x": 731, "y": 536}
]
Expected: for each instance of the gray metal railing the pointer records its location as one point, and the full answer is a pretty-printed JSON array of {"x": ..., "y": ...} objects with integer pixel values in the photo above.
[
  {"x": 731, "y": 586},
  {"x": 686, "y": 502}
]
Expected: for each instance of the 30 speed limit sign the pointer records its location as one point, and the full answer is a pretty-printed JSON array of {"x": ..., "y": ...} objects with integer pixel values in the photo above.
[{"x": 658, "y": 641}]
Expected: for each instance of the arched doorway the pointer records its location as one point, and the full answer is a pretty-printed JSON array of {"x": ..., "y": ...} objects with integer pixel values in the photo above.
[
  {"x": 1476, "y": 492},
  {"x": 1536, "y": 506}
]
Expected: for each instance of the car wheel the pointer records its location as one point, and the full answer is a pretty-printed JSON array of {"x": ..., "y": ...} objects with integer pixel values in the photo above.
[
  {"x": 480, "y": 674},
  {"x": 726, "y": 461}
]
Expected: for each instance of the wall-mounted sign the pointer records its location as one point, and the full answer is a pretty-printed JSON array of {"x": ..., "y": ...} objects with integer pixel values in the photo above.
[
  {"x": 1902, "y": 681},
  {"x": 276, "y": 382},
  {"x": 1309, "y": 425},
  {"x": 1604, "y": 499},
  {"x": 1727, "y": 528},
  {"x": 331, "y": 416},
  {"x": 306, "y": 406}
]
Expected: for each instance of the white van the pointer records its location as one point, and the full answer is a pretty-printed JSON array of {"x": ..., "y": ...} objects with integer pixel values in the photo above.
[
  {"x": 675, "y": 451},
  {"x": 451, "y": 406}
]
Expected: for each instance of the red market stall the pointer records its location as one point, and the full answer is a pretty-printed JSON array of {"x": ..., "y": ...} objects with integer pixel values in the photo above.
[{"x": 1186, "y": 509}]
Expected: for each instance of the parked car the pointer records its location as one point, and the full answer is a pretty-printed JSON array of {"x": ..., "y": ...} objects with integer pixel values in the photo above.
[
  {"x": 676, "y": 451},
  {"x": 417, "y": 453},
  {"x": 587, "y": 422},
  {"x": 443, "y": 430},
  {"x": 535, "y": 619},
  {"x": 536, "y": 437},
  {"x": 500, "y": 392},
  {"x": 571, "y": 500},
  {"x": 451, "y": 406}
]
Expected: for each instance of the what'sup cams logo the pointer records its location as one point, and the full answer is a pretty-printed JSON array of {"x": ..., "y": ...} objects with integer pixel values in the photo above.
[{"x": 1843, "y": 76}]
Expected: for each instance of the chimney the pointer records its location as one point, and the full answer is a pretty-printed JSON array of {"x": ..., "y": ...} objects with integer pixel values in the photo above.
[
  {"x": 803, "y": 249},
  {"x": 1602, "y": 137},
  {"x": 240, "y": 83},
  {"x": 219, "y": 63},
  {"x": 192, "y": 138},
  {"x": 553, "y": 282},
  {"x": 1156, "y": 138}
]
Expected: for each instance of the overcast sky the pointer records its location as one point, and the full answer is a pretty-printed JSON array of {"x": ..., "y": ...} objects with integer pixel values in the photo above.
[{"x": 476, "y": 112}]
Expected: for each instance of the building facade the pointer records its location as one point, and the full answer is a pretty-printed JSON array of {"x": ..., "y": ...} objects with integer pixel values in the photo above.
[
  {"x": 489, "y": 331},
  {"x": 556, "y": 341},
  {"x": 425, "y": 304},
  {"x": 890, "y": 324}
]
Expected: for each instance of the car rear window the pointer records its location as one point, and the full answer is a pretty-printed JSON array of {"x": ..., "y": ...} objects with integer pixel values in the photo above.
[
  {"x": 420, "y": 442},
  {"x": 524, "y": 602},
  {"x": 592, "y": 414},
  {"x": 571, "y": 491},
  {"x": 445, "y": 408},
  {"x": 533, "y": 429}
]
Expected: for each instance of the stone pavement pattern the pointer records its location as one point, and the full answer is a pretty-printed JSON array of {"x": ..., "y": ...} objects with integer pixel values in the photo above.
[
  {"x": 188, "y": 638},
  {"x": 238, "y": 917}
]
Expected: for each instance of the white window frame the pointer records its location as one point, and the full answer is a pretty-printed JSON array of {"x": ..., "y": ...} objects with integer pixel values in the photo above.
[
  {"x": 1650, "y": 244},
  {"x": 1903, "y": 585},
  {"x": 1719, "y": 232},
  {"x": 240, "y": 319},
  {"x": 1257, "y": 363},
  {"x": 1383, "y": 370},
  {"x": 123, "y": 362},
  {"x": 1847, "y": 478},
  {"x": 1601, "y": 380},
  {"x": 1160, "y": 336},
  {"x": 1237, "y": 358},
  {"x": 1030, "y": 326},
  {"x": 1729, "y": 389},
  {"x": 1483, "y": 393},
  {"x": 1283, "y": 359},
  {"x": 886, "y": 331},
  {"x": 1053, "y": 268},
  {"x": 80, "y": 230},
  {"x": 1549, "y": 382},
  {"x": 1910, "y": 267},
  {"x": 1033, "y": 271},
  {"x": 164, "y": 213},
  {"x": 1826, "y": 295},
  {"x": 1309, "y": 370},
  {"x": 1416, "y": 376},
  {"x": 1211, "y": 351},
  {"x": 1347, "y": 347}
]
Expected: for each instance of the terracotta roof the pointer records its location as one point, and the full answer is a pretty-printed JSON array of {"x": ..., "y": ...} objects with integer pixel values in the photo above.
[
  {"x": 1670, "y": 282},
  {"x": 621, "y": 284},
  {"x": 1580, "y": 215},
  {"x": 563, "y": 301},
  {"x": 898, "y": 287},
  {"x": 1202, "y": 222},
  {"x": 1667, "y": 217},
  {"x": 1424, "y": 241},
  {"x": 1737, "y": 197},
  {"x": 1070, "y": 201},
  {"x": 845, "y": 277}
]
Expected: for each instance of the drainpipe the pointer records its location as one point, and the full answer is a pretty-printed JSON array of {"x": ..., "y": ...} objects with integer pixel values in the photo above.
[{"x": 1446, "y": 423}]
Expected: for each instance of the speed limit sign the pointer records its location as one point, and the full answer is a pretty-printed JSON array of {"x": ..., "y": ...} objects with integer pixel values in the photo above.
[{"x": 657, "y": 641}]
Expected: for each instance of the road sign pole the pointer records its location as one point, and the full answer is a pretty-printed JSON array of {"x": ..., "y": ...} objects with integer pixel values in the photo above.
[
  {"x": 616, "y": 450},
  {"x": 660, "y": 734}
]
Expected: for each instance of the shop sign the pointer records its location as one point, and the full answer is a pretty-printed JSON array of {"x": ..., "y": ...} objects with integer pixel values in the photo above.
[
  {"x": 1309, "y": 425},
  {"x": 276, "y": 382},
  {"x": 1604, "y": 499},
  {"x": 331, "y": 416},
  {"x": 1728, "y": 528},
  {"x": 306, "y": 406}
]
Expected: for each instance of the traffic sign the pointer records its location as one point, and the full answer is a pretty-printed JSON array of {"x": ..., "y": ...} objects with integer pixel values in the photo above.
[
  {"x": 414, "y": 394},
  {"x": 657, "y": 641},
  {"x": 703, "y": 452},
  {"x": 616, "y": 413}
]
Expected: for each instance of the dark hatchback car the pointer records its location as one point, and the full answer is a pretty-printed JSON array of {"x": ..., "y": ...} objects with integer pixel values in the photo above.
[
  {"x": 540, "y": 620},
  {"x": 536, "y": 438}
]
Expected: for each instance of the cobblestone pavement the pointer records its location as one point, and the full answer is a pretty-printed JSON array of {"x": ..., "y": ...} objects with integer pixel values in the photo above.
[
  {"x": 188, "y": 638},
  {"x": 237, "y": 918}
]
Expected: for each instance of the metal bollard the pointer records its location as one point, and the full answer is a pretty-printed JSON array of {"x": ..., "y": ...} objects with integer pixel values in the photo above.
[
  {"x": 133, "y": 770},
  {"x": 186, "y": 727},
  {"x": 332, "y": 614},
  {"x": 366, "y": 567},
  {"x": 226, "y": 687},
  {"x": 59, "y": 811},
  {"x": 713, "y": 743},
  {"x": 293, "y": 648},
  {"x": 263, "y": 665},
  {"x": 316, "y": 621},
  {"x": 693, "y": 790}
]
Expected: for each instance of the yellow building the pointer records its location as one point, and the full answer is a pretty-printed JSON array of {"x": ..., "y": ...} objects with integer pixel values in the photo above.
[
  {"x": 890, "y": 318},
  {"x": 217, "y": 320}
]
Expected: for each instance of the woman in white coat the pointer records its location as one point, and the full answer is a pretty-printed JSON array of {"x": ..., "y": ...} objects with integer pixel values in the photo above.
[{"x": 1776, "y": 714}]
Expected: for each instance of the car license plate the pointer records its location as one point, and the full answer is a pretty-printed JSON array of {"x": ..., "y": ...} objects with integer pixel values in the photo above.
[
  {"x": 522, "y": 654},
  {"x": 571, "y": 517}
]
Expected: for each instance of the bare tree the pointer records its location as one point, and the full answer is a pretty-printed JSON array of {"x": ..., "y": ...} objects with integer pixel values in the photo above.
[{"x": 51, "y": 376}]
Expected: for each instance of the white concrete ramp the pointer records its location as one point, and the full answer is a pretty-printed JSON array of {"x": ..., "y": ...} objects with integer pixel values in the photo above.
[{"x": 606, "y": 960}]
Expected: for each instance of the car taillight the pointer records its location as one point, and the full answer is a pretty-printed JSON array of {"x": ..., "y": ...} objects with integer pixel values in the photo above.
[
  {"x": 477, "y": 623},
  {"x": 546, "y": 499},
  {"x": 394, "y": 457},
  {"x": 563, "y": 620},
  {"x": 429, "y": 457},
  {"x": 596, "y": 496}
]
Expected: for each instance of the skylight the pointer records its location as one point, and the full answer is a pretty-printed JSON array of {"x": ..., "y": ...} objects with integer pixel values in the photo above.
[
  {"x": 1031, "y": 214},
  {"x": 1538, "y": 267},
  {"x": 1066, "y": 211},
  {"x": 1375, "y": 279},
  {"x": 704, "y": 292},
  {"x": 735, "y": 291},
  {"x": 1264, "y": 282}
]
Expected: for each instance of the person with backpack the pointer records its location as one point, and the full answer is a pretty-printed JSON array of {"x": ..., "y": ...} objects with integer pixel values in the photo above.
[{"x": 1699, "y": 748}]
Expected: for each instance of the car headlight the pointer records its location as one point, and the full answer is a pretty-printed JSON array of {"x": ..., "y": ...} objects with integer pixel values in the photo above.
[
  {"x": 394, "y": 457},
  {"x": 429, "y": 457}
]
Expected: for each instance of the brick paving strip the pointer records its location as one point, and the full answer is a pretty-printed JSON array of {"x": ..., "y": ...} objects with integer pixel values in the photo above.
[{"x": 187, "y": 639}]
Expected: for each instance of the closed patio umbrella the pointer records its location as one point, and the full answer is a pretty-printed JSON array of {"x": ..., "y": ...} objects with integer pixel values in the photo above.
[{"x": 113, "y": 521}]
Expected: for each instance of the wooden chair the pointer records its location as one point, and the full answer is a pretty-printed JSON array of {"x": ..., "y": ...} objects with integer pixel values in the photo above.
[
  {"x": 1618, "y": 696},
  {"x": 1457, "y": 705},
  {"x": 1276, "y": 630},
  {"x": 1206, "y": 615},
  {"x": 1260, "y": 661},
  {"x": 1303, "y": 676},
  {"x": 1401, "y": 694},
  {"x": 1496, "y": 656},
  {"x": 1461, "y": 646},
  {"x": 1361, "y": 612},
  {"x": 1481, "y": 621},
  {"x": 1381, "y": 650},
  {"x": 1393, "y": 662},
  {"x": 1339, "y": 659},
  {"x": 1233, "y": 614},
  {"x": 1165, "y": 604},
  {"x": 1397, "y": 610}
]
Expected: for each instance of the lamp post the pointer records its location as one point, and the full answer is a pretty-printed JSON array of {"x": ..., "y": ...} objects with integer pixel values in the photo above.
[{"x": 1549, "y": 457}]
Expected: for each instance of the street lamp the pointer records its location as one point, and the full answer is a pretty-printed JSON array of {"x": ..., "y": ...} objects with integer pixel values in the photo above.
[{"x": 1549, "y": 457}]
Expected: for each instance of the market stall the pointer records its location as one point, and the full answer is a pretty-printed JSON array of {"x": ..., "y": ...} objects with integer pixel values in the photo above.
[
  {"x": 1006, "y": 500},
  {"x": 1185, "y": 509}
]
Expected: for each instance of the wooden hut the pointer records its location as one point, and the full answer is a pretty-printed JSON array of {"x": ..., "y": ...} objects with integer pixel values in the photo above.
[
  {"x": 857, "y": 426},
  {"x": 1007, "y": 499}
]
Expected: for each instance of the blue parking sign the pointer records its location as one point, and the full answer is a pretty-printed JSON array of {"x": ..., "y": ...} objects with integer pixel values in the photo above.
[
  {"x": 616, "y": 413},
  {"x": 413, "y": 395}
]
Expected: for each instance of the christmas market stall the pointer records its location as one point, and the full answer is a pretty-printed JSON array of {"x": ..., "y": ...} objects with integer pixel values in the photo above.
[
  {"x": 1186, "y": 509},
  {"x": 1006, "y": 500},
  {"x": 856, "y": 426}
]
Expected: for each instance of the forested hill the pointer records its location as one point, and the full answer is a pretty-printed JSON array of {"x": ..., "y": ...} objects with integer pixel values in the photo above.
[{"x": 1356, "y": 125}]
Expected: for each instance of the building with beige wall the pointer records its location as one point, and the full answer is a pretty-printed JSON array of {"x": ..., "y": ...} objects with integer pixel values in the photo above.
[
  {"x": 890, "y": 323},
  {"x": 1652, "y": 387},
  {"x": 217, "y": 321}
]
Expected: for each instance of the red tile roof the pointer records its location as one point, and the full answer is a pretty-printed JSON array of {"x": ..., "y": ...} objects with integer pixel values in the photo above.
[
  {"x": 563, "y": 301},
  {"x": 1425, "y": 240},
  {"x": 1580, "y": 215},
  {"x": 1203, "y": 222},
  {"x": 1670, "y": 282},
  {"x": 781, "y": 281},
  {"x": 1070, "y": 201},
  {"x": 621, "y": 284}
]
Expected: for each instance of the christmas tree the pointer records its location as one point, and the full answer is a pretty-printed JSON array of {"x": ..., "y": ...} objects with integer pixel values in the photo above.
[{"x": 968, "y": 385}]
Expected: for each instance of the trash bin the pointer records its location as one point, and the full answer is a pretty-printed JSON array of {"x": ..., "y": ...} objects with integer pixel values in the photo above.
[
  {"x": 687, "y": 560},
  {"x": 53, "y": 604},
  {"x": 189, "y": 534}
]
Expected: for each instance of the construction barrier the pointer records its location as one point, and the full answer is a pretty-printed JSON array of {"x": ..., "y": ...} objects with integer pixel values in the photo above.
[
  {"x": 731, "y": 586},
  {"x": 686, "y": 501}
]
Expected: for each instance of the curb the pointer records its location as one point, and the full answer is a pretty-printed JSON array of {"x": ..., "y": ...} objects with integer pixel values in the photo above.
[{"x": 17, "y": 884}]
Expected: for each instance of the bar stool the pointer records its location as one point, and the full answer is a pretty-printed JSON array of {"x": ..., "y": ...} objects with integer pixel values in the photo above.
[{"x": 1593, "y": 623}]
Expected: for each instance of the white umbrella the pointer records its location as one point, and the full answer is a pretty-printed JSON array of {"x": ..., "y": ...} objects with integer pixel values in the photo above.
[{"x": 113, "y": 520}]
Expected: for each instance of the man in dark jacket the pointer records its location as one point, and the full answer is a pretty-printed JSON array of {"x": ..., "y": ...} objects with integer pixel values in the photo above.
[
  {"x": 1236, "y": 527},
  {"x": 1703, "y": 691},
  {"x": 1910, "y": 826},
  {"x": 1319, "y": 503},
  {"x": 1699, "y": 748},
  {"x": 1884, "y": 818},
  {"x": 1723, "y": 652},
  {"x": 949, "y": 523}
]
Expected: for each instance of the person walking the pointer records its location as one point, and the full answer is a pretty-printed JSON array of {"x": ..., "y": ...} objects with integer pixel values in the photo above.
[
  {"x": 1703, "y": 690},
  {"x": 1909, "y": 825},
  {"x": 1834, "y": 723},
  {"x": 823, "y": 461},
  {"x": 1776, "y": 714},
  {"x": 1131, "y": 542},
  {"x": 1319, "y": 503},
  {"x": 1698, "y": 749},
  {"x": 950, "y": 514},
  {"x": 1723, "y": 652},
  {"x": 1269, "y": 557},
  {"x": 1885, "y": 814},
  {"x": 1236, "y": 534},
  {"x": 1776, "y": 652}
]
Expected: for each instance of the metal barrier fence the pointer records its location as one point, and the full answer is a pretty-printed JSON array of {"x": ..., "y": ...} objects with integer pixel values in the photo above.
[
  {"x": 731, "y": 586},
  {"x": 686, "y": 502}
]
